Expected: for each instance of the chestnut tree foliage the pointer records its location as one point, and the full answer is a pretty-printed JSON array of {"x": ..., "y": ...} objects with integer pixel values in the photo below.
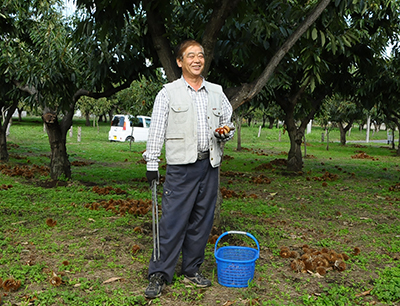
[
  {"x": 15, "y": 18},
  {"x": 385, "y": 89},
  {"x": 299, "y": 51},
  {"x": 54, "y": 71},
  {"x": 303, "y": 51}
]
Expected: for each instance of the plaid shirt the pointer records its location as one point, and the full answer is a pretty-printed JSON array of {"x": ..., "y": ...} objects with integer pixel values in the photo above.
[{"x": 159, "y": 119}]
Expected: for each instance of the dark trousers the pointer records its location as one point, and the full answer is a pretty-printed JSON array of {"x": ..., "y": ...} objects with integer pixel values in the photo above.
[{"x": 188, "y": 203}]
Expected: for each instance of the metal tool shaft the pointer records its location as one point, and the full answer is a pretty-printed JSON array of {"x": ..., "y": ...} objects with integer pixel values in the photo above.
[{"x": 156, "y": 228}]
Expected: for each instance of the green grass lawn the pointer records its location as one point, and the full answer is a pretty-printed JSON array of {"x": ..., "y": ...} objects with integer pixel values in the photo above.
[{"x": 87, "y": 241}]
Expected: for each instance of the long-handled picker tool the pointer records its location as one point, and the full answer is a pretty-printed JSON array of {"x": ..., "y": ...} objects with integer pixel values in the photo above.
[{"x": 156, "y": 228}]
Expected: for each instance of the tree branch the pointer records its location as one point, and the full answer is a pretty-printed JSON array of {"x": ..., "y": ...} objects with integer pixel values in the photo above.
[
  {"x": 96, "y": 95},
  {"x": 248, "y": 91},
  {"x": 160, "y": 41},
  {"x": 221, "y": 11},
  {"x": 26, "y": 88}
]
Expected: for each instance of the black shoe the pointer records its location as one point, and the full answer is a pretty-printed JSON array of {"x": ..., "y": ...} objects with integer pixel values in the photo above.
[
  {"x": 198, "y": 280},
  {"x": 155, "y": 287}
]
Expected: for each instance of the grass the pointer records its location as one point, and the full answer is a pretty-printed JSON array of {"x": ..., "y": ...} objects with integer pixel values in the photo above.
[{"x": 100, "y": 256}]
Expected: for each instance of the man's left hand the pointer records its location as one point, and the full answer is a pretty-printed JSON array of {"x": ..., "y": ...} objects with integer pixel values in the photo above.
[{"x": 224, "y": 132}]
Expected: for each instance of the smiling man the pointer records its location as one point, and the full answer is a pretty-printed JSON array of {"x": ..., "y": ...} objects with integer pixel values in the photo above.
[{"x": 185, "y": 116}]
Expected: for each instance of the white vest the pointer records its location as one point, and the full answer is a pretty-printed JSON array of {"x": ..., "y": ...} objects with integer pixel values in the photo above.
[{"x": 181, "y": 132}]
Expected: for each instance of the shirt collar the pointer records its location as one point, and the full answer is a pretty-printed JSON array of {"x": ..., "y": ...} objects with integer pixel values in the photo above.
[{"x": 203, "y": 84}]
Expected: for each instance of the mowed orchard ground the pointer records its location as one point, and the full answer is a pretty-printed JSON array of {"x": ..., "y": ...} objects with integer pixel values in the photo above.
[{"x": 99, "y": 239}]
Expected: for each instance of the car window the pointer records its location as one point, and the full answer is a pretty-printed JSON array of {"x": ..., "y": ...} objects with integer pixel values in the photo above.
[
  {"x": 138, "y": 122},
  {"x": 118, "y": 121},
  {"x": 148, "y": 122},
  {"x": 131, "y": 120}
]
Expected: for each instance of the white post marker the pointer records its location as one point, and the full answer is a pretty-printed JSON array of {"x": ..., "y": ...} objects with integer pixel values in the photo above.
[
  {"x": 79, "y": 133},
  {"x": 368, "y": 128}
]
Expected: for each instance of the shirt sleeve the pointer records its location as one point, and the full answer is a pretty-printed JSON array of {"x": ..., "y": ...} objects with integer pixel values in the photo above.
[
  {"x": 226, "y": 116},
  {"x": 157, "y": 129}
]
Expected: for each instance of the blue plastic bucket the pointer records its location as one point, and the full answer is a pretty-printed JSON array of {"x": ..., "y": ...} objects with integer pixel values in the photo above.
[{"x": 236, "y": 264}]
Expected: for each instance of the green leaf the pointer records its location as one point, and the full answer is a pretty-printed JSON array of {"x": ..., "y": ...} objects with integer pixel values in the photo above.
[
  {"x": 361, "y": 5},
  {"x": 322, "y": 38},
  {"x": 318, "y": 76},
  {"x": 312, "y": 84},
  {"x": 314, "y": 34},
  {"x": 346, "y": 42},
  {"x": 333, "y": 46},
  {"x": 306, "y": 81},
  {"x": 317, "y": 58},
  {"x": 283, "y": 31}
]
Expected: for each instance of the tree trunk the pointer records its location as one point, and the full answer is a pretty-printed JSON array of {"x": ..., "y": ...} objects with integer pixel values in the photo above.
[
  {"x": 393, "y": 146},
  {"x": 221, "y": 10},
  {"x": 20, "y": 110},
  {"x": 397, "y": 123},
  {"x": 3, "y": 146},
  {"x": 238, "y": 133},
  {"x": 264, "y": 119},
  {"x": 60, "y": 167},
  {"x": 296, "y": 134},
  {"x": 295, "y": 159},
  {"x": 4, "y": 156},
  {"x": 271, "y": 122},
  {"x": 342, "y": 134},
  {"x": 3, "y": 143},
  {"x": 343, "y": 131},
  {"x": 398, "y": 146},
  {"x": 59, "y": 163},
  {"x": 160, "y": 41},
  {"x": 87, "y": 123}
]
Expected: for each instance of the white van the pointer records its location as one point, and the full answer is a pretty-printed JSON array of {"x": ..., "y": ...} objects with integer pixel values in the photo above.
[{"x": 127, "y": 128}]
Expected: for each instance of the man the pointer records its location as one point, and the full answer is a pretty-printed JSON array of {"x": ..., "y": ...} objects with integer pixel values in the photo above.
[{"x": 185, "y": 116}]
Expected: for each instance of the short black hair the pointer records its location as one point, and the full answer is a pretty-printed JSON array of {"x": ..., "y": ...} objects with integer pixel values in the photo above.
[{"x": 181, "y": 48}]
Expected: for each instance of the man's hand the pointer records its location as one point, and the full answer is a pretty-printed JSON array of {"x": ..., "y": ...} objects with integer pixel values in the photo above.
[
  {"x": 152, "y": 175},
  {"x": 224, "y": 132}
]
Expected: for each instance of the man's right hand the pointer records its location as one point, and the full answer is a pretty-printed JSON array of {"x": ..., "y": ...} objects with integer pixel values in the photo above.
[{"x": 152, "y": 175}]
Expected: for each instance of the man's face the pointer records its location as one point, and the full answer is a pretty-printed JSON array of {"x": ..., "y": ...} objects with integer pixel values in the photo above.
[{"x": 192, "y": 63}]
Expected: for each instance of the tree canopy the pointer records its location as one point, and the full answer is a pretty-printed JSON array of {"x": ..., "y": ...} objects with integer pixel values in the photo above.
[{"x": 298, "y": 51}]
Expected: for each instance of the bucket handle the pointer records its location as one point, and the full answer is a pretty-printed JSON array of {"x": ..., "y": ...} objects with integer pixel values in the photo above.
[{"x": 240, "y": 233}]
